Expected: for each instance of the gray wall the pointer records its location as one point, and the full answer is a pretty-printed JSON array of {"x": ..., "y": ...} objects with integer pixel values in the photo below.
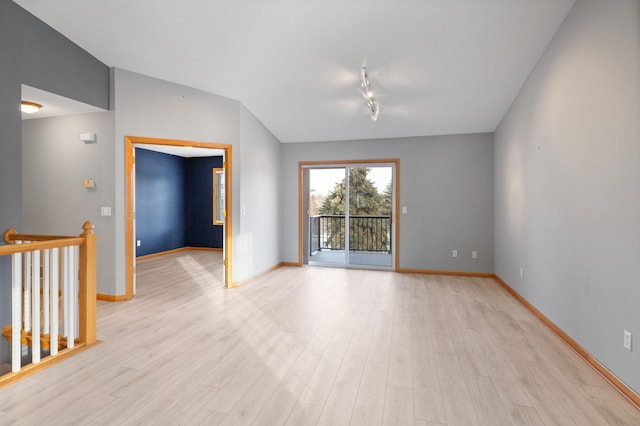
[
  {"x": 446, "y": 182},
  {"x": 33, "y": 53},
  {"x": 54, "y": 164},
  {"x": 257, "y": 245},
  {"x": 567, "y": 179},
  {"x": 149, "y": 107}
]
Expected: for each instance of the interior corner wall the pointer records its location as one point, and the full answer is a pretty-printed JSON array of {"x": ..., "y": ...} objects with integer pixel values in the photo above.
[
  {"x": 257, "y": 245},
  {"x": 446, "y": 183},
  {"x": 200, "y": 230},
  {"x": 567, "y": 179},
  {"x": 149, "y": 107}
]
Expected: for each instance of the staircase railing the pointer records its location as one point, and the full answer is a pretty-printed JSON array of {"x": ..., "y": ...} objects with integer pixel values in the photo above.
[{"x": 53, "y": 298}]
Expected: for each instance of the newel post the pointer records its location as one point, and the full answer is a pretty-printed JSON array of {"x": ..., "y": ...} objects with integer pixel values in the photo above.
[
  {"x": 7, "y": 236},
  {"x": 87, "y": 291}
]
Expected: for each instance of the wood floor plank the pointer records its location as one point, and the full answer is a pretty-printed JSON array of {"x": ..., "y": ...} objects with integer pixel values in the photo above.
[
  {"x": 316, "y": 345},
  {"x": 427, "y": 396},
  {"x": 382, "y": 329},
  {"x": 339, "y": 404},
  {"x": 319, "y": 385},
  {"x": 274, "y": 362},
  {"x": 400, "y": 365},
  {"x": 505, "y": 383},
  {"x": 523, "y": 415},
  {"x": 304, "y": 414},
  {"x": 486, "y": 402},
  {"x": 369, "y": 405},
  {"x": 607, "y": 402},
  {"x": 457, "y": 401},
  {"x": 200, "y": 418},
  {"x": 426, "y": 423},
  {"x": 282, "y": 401},
  {"x": 398, "y": 407},
  {"x": 580, "y": 410}
]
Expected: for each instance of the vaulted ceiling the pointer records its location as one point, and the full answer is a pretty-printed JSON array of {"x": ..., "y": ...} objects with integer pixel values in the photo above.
[{"x": 436, "y": 66}]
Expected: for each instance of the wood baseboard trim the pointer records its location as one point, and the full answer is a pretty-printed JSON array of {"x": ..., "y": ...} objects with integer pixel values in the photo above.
[
  {"x": 112, "y": 298},
  {"x": 159, "y": 254},
  {"x": 203, "y": 248},
  {"x": 453, "y": 273},
  {"x": 294, "y": 264},
  {"x": 31, "y": 369},
  {"x": 164, "y": 253},
  {"x": 266, "y": 271},
  {"x": 618, "y": 384}
]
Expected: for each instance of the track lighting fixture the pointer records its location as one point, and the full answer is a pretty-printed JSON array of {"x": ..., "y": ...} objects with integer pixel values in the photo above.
[{"x": 367, "y": 92}]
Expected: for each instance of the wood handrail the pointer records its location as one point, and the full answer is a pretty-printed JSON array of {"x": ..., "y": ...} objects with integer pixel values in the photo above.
[
  {"x": 41, "y": 245},
  {"x": 11, "y": 236}
]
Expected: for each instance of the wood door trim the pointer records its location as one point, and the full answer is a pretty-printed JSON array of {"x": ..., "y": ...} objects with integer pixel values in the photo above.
[{"x": 130, "y": 142}]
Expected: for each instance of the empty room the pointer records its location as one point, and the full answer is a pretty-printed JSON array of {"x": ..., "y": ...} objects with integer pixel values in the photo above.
[{"x": 321, "y": 212}]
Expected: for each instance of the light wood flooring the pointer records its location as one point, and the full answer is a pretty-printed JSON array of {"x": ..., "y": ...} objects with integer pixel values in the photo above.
[{"x": 306, "y": 346}]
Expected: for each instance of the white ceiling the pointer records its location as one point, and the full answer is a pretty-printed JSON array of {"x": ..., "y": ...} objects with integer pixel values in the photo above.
[
  {"x": 182, "y": 151},
  {"x": 52, "y": 104},
  {"x": 436, "y": 66}
]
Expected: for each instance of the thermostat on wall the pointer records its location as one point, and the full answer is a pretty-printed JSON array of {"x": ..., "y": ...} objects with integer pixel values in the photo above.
[{"x": 88, "y": 183}]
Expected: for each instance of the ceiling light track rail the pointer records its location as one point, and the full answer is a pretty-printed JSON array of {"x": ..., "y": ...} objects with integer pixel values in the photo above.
[{"x": 367, "y": 91}]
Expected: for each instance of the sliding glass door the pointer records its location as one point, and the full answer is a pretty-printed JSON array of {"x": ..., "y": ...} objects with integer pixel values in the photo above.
[{"x": 350, "y": 215}]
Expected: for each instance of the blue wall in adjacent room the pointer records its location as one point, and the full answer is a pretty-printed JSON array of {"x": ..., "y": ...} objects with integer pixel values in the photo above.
[
  {"x": 199, "y": 203},
  {"x": 160, "y": 203},
  {"x": 174, "y": 202}
]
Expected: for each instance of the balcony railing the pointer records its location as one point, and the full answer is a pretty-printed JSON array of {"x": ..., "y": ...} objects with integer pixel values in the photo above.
[{"x": 366, "y": 233}]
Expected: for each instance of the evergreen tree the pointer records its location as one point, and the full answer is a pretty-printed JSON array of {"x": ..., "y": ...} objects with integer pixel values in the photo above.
[
  {"x": 387, "y": 200},
  {"x": 364, "y": 201}
]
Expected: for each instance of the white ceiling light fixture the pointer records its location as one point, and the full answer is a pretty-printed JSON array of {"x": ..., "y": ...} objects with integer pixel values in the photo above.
[
  {"x": 367, "y": 91},
  {"x": 29, "y": 107}
]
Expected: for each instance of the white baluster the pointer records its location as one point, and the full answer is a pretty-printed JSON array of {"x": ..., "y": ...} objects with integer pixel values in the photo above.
[
  {"x": 16, "y": 312},
  {"x": 26, "y": 314},
  {"x": 70, "y": 286},
  {"x": 46, "y": 290},
  {"x": 65, "y": 292},
  {"x": 76, "y": 288},
  {"x": 35, "y": 307},
  {"x": 55, "y": 300}
]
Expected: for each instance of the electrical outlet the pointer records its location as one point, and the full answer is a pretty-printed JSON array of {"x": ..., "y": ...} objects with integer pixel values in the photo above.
[
  {"x": 474, "y": 254},
  {"x": 454, "y": 253},
  {"x": 138, "y": 243},
  {"x": 627, "y": 340}
]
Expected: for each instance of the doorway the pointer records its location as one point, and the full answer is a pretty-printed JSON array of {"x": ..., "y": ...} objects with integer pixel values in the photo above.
[
  {"x": 349, "y": 214},
  {"x": 130, "y": 260}
]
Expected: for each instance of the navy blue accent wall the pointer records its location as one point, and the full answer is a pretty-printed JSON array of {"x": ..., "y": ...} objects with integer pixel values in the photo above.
[
  {"x": 160, "y": 202},
  {"x": 201, "y": 232},
  {"x": 174, "y": 202}
]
